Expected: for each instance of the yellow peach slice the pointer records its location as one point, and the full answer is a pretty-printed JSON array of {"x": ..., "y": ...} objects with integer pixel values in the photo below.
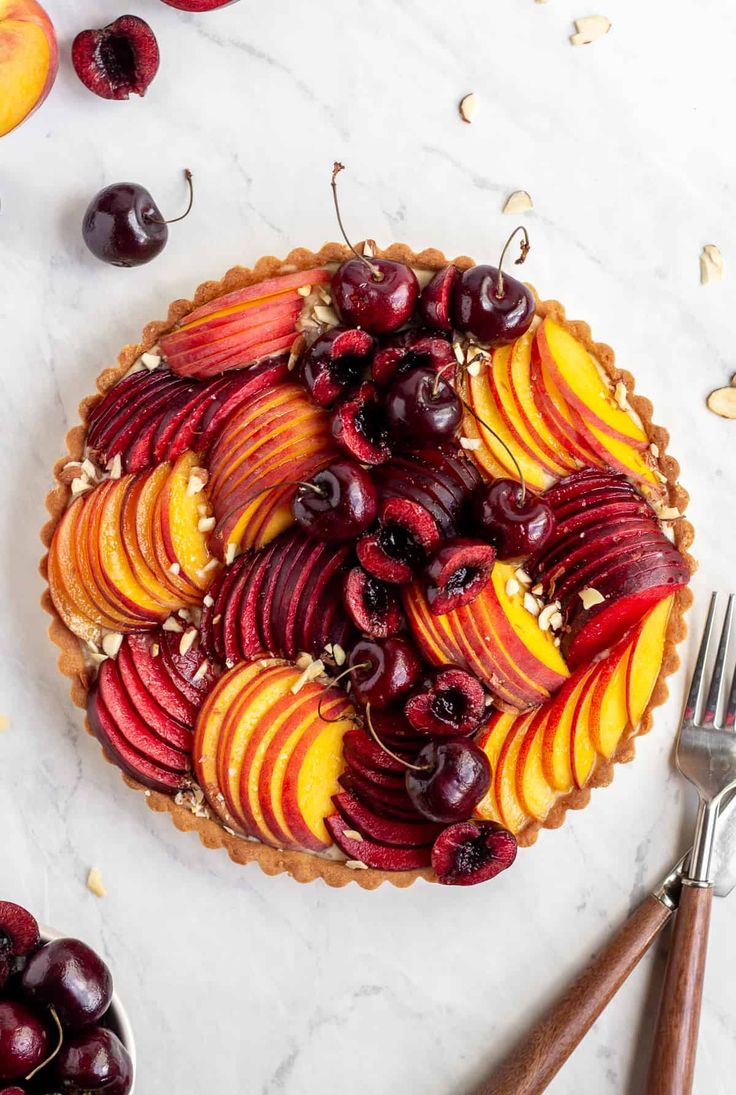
[
  {"x": 485, "y": 408},
  {"x": 180, "y": 516},
  {"x": 533, "y": 791},
  {"x": 502, "y": 386},
  {"x": 498, "y": 729},
  {"x": 581, "y": 745},
  {"x": 646, "y": 659},
  {"x": 311, "y": 779},
  {"x": 609, "y": 714},
  {"x": 538, "y": 645},
  {"x": 513, "y": 815},
  {"x": 581, "y": 381},
  {"x": 556, "y": 748},
  {"x": 618, "y": 454},
  {"x": 114, "y": 559}
]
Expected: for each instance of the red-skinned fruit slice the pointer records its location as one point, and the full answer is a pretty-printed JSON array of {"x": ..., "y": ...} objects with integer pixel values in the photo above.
[
  {"x": 119, "y": 60},
  {"x": 393, "y": 729},
  {"x": 457, "y": 573},
  {"x": 335, "y": 363},
  {"x": 472, "y": 851},
  {"x": 372, "y": 826},
  {"x": 383, "y": 857},
  {"x": 387, "y": 803},
  {"x": 434, "y": 303},
  {"x": 449, "y": 701},
  {"x": 359, "y": 427},
  {"x": 407, "y": 532},
  {"x": 357, "y": 744},
  {"x": 372, "y": 605},
  {"x": 131, "y": 725},
  {"x": 142, "y": 768},
  {"x": 157, "y": 679}
]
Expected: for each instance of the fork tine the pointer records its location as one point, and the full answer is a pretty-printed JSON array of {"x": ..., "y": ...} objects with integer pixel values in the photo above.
[
  {"x": 716, "y": 692},
  {"x": 729, "y": 720},
  {"x": 695, "y": 694}
]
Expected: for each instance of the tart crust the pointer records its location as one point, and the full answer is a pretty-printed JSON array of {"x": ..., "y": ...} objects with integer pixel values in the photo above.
[{"x": 303, "y": 866}]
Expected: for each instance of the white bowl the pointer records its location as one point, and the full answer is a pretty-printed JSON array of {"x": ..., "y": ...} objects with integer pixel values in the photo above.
[{"x": 116, "y": 1018}]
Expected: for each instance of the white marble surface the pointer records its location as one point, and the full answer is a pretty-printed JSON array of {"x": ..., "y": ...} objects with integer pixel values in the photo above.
[{"x": 241, "y": 983}]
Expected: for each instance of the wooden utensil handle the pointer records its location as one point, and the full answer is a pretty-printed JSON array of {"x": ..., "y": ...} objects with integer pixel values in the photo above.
[
  {"x": 539, "y": 1056},
  {"x": 675, "y": 1040}
]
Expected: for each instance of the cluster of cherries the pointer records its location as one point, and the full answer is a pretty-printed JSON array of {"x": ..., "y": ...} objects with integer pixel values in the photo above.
[
  {"x": 388, "y": 385},
  {"x": 53, "y": 1003}
]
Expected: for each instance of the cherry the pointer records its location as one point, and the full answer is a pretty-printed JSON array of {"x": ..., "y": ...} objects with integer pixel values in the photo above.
[
  {"x": 376, "y": 294},
  {"x": 490, "y": 306},
  {"x": 448, "y": 779},
  {"x": 359, "y": 426},
  {"x": 334, "y": 363},
  {"x": 372, "y": 605},
  {"x": 448, "y": 701},
  {"x": 457, "y": 573},
  {"x": 406, "y": 533},
  {"x": 436, "y": 298},
  {"x": 67, "y": 975},
  {"x": 383, "y": 670},
  {"x": 24, "y": 1040},
  {"x": 472, "y": 851},
  {"x": 94, "y": 1060},
  {"x": 399, "y": 353},
  {"x": 336, "y": 503},
  {"x": 12, "y": 1090},
  {"x": 119, "y": 60},
  {"x": 19, "y": 936},
  {"x": 199, "y": 5},
  {"x": 422, "y": 406},
  {"x": 123, "y": 225},
  {"x": 512, "y": 518}
]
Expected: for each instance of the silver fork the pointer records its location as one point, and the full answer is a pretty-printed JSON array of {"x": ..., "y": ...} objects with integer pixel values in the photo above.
[{"x": 706, "y": 755}]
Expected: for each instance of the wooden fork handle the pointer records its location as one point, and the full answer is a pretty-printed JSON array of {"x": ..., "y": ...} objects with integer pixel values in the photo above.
[
  {"x": 539, "y": 1056},
  {"x": 675, "y": 1040}
]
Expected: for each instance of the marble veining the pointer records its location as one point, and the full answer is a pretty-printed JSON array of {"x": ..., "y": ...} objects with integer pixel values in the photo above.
[{"x": 236, "y": 982}]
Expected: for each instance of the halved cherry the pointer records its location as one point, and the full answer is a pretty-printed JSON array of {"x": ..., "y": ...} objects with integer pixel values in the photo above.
[
  {"x": 360, "y": 428},
  {"x": 371, "y": 604},
  {"x": 402, "y": 352},
  {"x": 434, "y": 303},
  {"x": 448, "y": 701},
  {"x": 457, "y": 573},
  {"x": 472, "y": 851},
  {"x": 405, "y": 536},
  {"x": 335, "y": 363}
]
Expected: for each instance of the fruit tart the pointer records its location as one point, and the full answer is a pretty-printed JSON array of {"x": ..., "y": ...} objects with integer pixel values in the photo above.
[{"x": 367, "y": 565}]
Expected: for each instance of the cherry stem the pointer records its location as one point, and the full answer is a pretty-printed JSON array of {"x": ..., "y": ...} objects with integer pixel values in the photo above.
[
  {"x": 401, "y": 760},
  {"x": 333, "y": 682},
  {"x": 438, "y": 376},
  {"x": 190, "y": 183},
  {"x": 525, "y": 249},
  {"x": 60, "y": 1043},
  {"x": 501, "y": 441},
  {"x": 375, "y": 271}
]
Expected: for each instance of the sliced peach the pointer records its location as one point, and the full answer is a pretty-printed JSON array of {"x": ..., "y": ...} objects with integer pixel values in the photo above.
[
  {"x": 646, "y": 659},
  {"x": 609, "y": 714},
  {"x": 533, "y": 790},
  {"x": 581, "y": 381},
  {"x": 86, "y": 553},
  {"x": 556, "y": 412},
  {"x": 29, "y": 60},
  {"x": 480, "y": 398},
  {"x": 582, "y": 750},
  {"x": 114, "y": 560},
  {"x": 556, "y": 748},
  {"x": 521, "y": 390},
  {"x": 129, "y": 526},
  {"x": 481, "y": 455},
  {"x": 491, "y": 741},
  {"x": 180, "y": 516},
  {"x": 616, "y": 453},
  {"x": 513, "y": 815},
  {"x": 532, "y": 649},
  {"x": 69, "y": 595},
  {"x": 501, "y": 385},
  {"x": 254, "y": 294}
]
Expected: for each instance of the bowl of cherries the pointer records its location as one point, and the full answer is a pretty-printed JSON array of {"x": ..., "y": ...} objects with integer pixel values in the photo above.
[{"x": 63, "y": 1030}]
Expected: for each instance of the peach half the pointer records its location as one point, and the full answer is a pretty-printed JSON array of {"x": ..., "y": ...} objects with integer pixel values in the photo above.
[{"x": 29, "y": 60}]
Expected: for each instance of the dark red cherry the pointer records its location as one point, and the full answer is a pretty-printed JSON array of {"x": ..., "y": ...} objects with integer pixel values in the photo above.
[
  {"x": 436, "y": 298},
  {"x": 359, "y": 426},
  {"x": 124, "y": 226},
  {"x": 119, "y": 60},
  {"x": 335, "y": 363},
  {"x": 516, "y": 522},
  {"x": 472, "y": 851},
  {"x": 14, "y": 1091},
  {"x": 337, "y": 503},
  {"x": 24, "y": 1040},
  {"x": 19, "y": 936},
  {"x": 457, "y": 573},
  {"x": 450, "y": 778},
  {"x": 94, "y": 1060},
  {"x": 377, "y": 294},
  {"x": 402, "y": 352},
  {"x": 491, "y": 317},
  {"x": 406, "y": 533},
  {"x": 448, "y": 701},
  {"x": 372, "y": 605},
  {"x": 383, "y": 670},
  {"x": 422, "y": 406},
  {"x": 67, "y": 975}
]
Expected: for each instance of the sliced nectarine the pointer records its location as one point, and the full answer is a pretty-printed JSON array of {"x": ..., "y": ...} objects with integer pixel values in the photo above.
[
  {"x": 646, "y": 659},
  {"x": 581, "y": 381},
  {"x": 609, "y": 714},
  {"x": 520, "y": 385},
  {"x": 582, "y": 750},
  {"x": 480, "y": 398},
  {"x": 532, "y": 649},
  {"x": 260, "y": 291},
  {"x": 180, "y": 517},
  {"x": 513, "y": 815},
  {"x": 556, "y": 746},
  {"x": 533, "y": 790},
  {"x": 311, "y": 778}
]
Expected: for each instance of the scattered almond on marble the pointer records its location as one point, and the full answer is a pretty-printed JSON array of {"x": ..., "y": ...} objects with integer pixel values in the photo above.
[
  {"x": 95, "y": 884},
  {"x": 468, "y": 107},
  {"x": 518, "y": 202},
  {"x": 723, "y": 402},
  {"x": 711, "y": 264},
  {"x": 590, "y": 29},
  {"x": 4, "y": 723}
]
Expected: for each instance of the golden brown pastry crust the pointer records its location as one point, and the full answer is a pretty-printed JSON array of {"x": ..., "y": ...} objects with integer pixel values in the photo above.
[{"x": 302, "y": 866}]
